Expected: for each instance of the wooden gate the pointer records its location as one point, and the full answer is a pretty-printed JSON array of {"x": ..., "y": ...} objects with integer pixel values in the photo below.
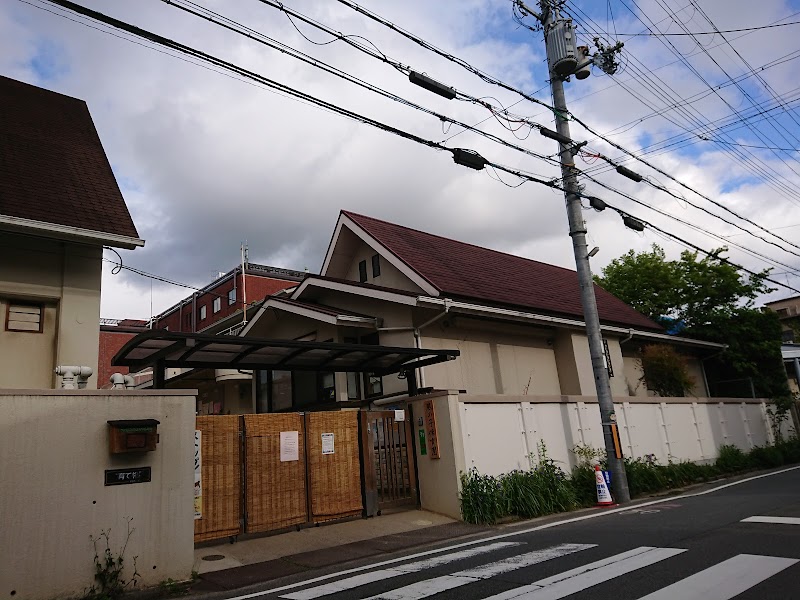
[
  {"x": 247, "y": 486},
  {"x": 221, "y": 478},
  {"x": 275, "y": 489},
  {"x": 389, "y": 475}
]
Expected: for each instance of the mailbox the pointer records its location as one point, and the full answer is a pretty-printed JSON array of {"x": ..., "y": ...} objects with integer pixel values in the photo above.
[{"x": 132, "y": 435}]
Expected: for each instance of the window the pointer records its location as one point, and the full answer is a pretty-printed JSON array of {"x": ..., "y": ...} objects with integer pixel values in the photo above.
[
  {"x": 203, "y": 312},
  {"x": 217, "y": 305},
  {"x": 362, "y": 271},
  {"x": 232, "y": 296},
  {"x": 24, "y": 317},
  {"x": 376, "y": 266}
]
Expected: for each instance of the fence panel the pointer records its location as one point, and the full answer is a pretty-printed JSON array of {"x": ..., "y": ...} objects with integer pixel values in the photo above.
[
  {"x": 275, "y": 495},
  {"x": 221, "y": 478},
  {"x": 333, "y": 463}
]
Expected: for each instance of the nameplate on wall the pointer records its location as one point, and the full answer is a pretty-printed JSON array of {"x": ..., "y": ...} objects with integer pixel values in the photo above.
[
  {"x": 430, "y": 429},
  {"x": 126, "y": 476}
]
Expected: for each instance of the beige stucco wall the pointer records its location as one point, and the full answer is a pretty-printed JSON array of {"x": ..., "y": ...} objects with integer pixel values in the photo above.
[
  {"x": 390, "y": 276},
  {"x": 439, "y": 478},
  {"x": 492, "y": 361},
  {"x": 633, "y": 373},
  {"x": 66, "y": 278},
  {"x": 54, "y": 449}
]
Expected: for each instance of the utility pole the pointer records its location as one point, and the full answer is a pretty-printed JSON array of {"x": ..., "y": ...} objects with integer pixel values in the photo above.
[{"x": 564, "y": 59}]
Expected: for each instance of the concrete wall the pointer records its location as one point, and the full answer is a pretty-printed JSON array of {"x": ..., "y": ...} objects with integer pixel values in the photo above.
[
  {"x": 65, "y": 277},
  {"x": 439, "y": 478},
  {"x": 54, "y": 448},
  {"x": 672, "y": 429}
]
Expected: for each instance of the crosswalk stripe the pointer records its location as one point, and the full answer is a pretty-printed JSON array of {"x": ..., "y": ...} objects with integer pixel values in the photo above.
[
  {"x": 581, "y": 578},
  {"x": 395, "y": 571},
  {"x": 724, "y": 580},
  {"x": 778, "y": 520},
  {"x": 429, "y": 587}
]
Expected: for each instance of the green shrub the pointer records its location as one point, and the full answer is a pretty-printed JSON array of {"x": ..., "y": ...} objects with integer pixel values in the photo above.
[
  {"x": 790, "y": 449},
  {"x": 643, "y": 476},
  {"x": 766, "y": 457},
  {"x": 583, "y": 485},
  {"x": 482, "y": 498},
  {"x": 732, "y": 459}
]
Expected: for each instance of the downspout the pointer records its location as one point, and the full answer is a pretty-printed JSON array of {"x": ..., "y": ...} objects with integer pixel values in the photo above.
[
  {"x": 418, "y": 337},
  {"x": 627, "y": 338}
]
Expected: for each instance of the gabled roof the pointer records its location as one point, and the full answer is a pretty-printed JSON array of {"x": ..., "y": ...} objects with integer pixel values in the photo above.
[
  {"x": 460, "y": 270},
  {"x": 54, "y": 173}
]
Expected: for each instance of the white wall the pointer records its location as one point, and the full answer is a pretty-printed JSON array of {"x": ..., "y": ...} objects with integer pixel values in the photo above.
[
  {"x": 54, "y": 448},
  {"x": 502, "y": 433}
]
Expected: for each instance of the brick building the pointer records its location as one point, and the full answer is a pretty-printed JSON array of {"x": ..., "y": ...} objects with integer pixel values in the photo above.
[{"x": 226, "y": 296}]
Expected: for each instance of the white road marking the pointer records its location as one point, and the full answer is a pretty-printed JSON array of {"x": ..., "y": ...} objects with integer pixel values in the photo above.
[
  {"x": 778, "y": 520},
  {"x": 365, "y": 578},
  {"x": 582, "y": 578},
  {"x": 593, "y": 515},
  {"x": 724, "y": 580},
  {"x": 429, "y": 587}
]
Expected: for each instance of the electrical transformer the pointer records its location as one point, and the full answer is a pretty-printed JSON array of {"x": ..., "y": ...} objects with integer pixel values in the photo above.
[{"x": 561, "y": 50}]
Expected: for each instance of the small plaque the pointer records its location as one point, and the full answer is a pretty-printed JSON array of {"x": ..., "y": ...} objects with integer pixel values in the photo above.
[{"x": 126, "y": 476}]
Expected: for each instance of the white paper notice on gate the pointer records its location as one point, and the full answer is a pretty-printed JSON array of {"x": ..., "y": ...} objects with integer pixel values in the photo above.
[
  {"x": 399, "y": 415},
  {"x": 289, "y": 446},
  {"x": 327, "y": 443}
]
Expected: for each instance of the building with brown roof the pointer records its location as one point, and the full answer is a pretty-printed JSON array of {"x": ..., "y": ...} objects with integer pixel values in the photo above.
[
  {"x": 518, "y": 323},
  {"x": 59, "y": 205}
]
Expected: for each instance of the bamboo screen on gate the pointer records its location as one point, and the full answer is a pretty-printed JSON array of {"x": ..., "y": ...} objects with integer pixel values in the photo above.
[
  {"x": 276, "y": 490},
  {"x": 221, "y": 478},
  {"x": 335, "y": 479}
]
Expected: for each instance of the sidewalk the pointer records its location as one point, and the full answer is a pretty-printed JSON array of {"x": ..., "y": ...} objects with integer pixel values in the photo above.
[{"x": 226, "y": 566}]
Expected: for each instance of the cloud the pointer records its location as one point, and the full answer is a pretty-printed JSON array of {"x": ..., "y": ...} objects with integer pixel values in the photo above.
[{"x": 207, "y": 161}]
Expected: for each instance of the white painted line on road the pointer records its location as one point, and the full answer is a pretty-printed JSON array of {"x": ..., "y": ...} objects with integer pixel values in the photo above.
[
  {"x": 724, "y": 580},
  {"x": 777, "y": 520},
  {"x": 414, "y": 567},
  {"x": 429, "y": 587},
  {"x": 582, "y": 578},
  {"x": 594, "y": 515}
]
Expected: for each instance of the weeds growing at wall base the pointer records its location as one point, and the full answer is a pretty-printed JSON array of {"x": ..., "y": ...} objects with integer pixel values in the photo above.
[{"x": 546, "y": 488}]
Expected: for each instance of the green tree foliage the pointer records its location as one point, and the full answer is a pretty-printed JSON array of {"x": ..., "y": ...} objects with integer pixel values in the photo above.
[
  {"x": 666, "y": 371},
  {"x": 706, "y": 298}
]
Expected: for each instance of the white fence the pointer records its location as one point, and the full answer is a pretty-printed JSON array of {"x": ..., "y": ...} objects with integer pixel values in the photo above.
[{"x": 502, "y": 433}]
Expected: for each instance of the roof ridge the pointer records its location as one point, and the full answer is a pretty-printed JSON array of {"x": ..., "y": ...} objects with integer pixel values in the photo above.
[{"x": 441, "y": 237}]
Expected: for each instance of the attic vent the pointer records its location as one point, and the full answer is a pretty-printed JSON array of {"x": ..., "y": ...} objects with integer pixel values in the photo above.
[{"x": 24, "y": 317}]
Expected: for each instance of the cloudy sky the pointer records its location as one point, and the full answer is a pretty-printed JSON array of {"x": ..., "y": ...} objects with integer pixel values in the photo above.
[{"x": 207, "y": 160}]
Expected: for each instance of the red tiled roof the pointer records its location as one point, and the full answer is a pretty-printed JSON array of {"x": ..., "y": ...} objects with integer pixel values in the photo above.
[
  {"x": 52, "y": 165},
  {"x": 466, "y": 271}
]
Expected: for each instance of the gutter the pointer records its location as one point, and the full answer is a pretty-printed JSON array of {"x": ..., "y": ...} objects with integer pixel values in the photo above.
[
  {"x": 446, "y": 303},
  {"x": 467, "y": 307},
  {"x": 57, "y": 230}
]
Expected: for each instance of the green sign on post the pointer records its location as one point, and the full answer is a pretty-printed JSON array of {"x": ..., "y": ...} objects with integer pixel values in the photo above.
[{"x": 423, "y": 445}]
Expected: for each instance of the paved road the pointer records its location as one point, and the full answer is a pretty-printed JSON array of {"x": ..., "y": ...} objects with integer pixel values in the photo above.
[{"x": 741, "y": 541}]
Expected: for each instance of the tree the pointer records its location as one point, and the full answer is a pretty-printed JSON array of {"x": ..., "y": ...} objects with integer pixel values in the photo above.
[{"x": 706, "y": 299}]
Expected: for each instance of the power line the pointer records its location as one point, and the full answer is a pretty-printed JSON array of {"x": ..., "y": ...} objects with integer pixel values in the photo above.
[
  {"x": 715, "y": 32},
  {"x": 490, "y": 79},
  {"x": 332, "y": 107},
  {"x": 695, "y": 118}
]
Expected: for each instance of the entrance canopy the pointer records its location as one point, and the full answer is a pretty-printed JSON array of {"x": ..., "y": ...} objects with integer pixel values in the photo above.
[{"x": 164, "y": 349}]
